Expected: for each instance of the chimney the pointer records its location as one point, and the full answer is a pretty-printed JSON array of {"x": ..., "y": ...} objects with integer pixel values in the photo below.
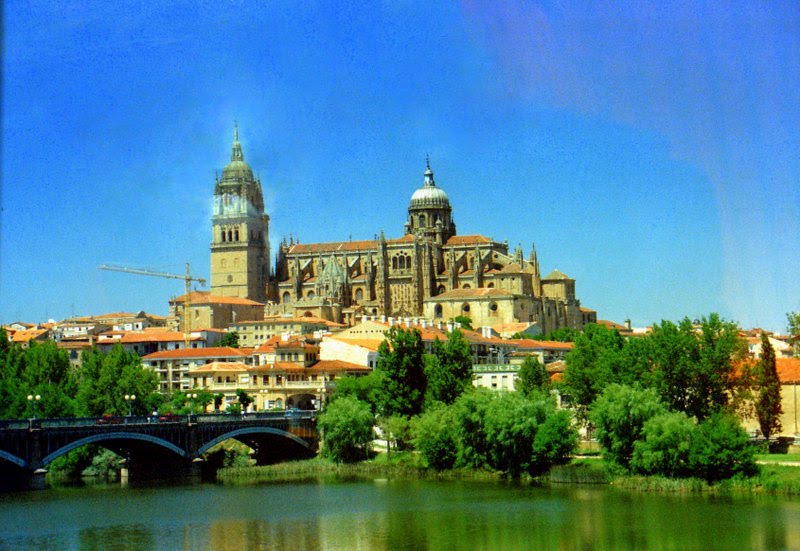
[
  {"x": 391, "y": 321},
  {"x": 628, "y": 324},
  {"x": 383, "y": 319},
  {"x": 408, "y": 322}
]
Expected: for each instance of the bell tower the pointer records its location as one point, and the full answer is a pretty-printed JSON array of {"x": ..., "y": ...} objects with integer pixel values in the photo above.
[{"x": 240, "y": 231}]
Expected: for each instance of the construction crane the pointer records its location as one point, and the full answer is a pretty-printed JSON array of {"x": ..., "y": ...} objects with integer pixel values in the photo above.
[{"x": 187, "y": 278}]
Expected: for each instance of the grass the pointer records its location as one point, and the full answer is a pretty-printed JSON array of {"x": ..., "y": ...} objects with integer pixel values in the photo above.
[
  {"x": 778, "y": 458},
  {"x": 773, "y": 478}
]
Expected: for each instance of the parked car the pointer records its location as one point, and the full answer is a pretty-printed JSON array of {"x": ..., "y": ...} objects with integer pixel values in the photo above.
[{"x": 110, "y": 419}]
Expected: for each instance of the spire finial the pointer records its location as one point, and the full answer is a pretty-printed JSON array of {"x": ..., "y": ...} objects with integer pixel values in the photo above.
[
  {"x": 428, "y": 161},
  {"x": 236, "y": 152},
  {"x": 428, "y": 172},
  {"x": 235, "y": 130}
]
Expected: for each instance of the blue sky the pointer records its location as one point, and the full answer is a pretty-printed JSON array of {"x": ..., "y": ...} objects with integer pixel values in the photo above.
[{"x": 650, "y": 150}]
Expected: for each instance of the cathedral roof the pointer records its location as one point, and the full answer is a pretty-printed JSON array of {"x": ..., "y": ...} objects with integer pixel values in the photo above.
[
  {"x": 482, "y": 292},
  {"x": 556, "y": 274},
  {"x": 468, "y": 240},
  {"x": 429, "y": 195}
]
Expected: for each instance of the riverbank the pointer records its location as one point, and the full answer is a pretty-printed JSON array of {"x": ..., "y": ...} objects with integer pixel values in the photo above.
[{"x": 774, "y": 478}]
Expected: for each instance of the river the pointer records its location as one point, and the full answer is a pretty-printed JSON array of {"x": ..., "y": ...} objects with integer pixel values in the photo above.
[{"x": 389, "y": 515}]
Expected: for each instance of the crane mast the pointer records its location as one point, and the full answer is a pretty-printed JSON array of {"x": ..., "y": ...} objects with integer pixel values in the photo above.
[{"x": 187, "y": 278}]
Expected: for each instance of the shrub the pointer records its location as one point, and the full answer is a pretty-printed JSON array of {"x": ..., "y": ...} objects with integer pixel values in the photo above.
[
  {"x": 666, "y": 446},
  {"x": 512, "y": 422},
  {"x": 347, "y": 429},
  {"x": 434, "y": 436},
  {"x": 721, "y": 449},
  {"x": 470, "y": 411},
  {"x": 619, "y": 414},
  {"x": 555, "y": 442}
]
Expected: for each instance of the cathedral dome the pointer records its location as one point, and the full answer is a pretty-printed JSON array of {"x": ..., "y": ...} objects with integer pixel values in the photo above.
[
  {"x": 237, "y": 169},
  {"x": 429, "y": 195}
]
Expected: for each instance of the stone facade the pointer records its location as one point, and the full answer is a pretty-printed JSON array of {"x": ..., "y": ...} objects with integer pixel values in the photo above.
[{"x": 429, "y": 271}]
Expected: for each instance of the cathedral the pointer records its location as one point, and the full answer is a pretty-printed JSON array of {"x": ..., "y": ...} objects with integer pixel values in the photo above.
[{"x": 430, "y": 272}]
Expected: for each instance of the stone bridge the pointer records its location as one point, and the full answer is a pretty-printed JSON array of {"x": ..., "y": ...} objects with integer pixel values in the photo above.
[{"x": 163, "y": 445}]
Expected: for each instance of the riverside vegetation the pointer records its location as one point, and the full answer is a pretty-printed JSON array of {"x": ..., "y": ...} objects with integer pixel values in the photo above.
[
  {"x": 662, "y": 406},
  {"x": 665, "y": 408}
]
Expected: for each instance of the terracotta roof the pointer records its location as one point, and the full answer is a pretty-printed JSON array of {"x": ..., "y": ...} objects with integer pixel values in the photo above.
[
  {"x": 337, "y": 246},
  {"x": 531, "y": 344},
  {"x": 265, "y": 349},
  {"x": 788, "y": 370},
  {"x": 471, "y": 293},
  {"x": 407, "y": 238},
  {"x": 131, "y": 337},
  {"x": 210, "y": 352},
  {"x": 587, "y": 310},
  {"x": 467, "y": 240},
  {"x": 369, "y": 344},
  {"x": 205, "y": 297},
  {"x": 219, "y": 366},
  {"x": 338, "y": 365},
  {"x": 27, "y": 335},
  {"x": 612, "y": 325}
]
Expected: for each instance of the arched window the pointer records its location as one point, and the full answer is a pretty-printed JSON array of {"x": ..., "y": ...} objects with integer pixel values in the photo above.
[
  {"x": 286, "y": 297},
  {"x": 421, "y": 220},
  {"x": 223, "y": 263},
  {"x": 466, "y": 286},
  {"x": 465, "y": 308},
  {"x": 223, "y": 235},
  {"x": 230, "y": 235},
  {"x": 308, "y": 315},
  {"x": 394, "y": 263},
  {"x": 437, "y": 311},
  {"x": 236, "y": 234},
  {"x": 311, "y": 294},
  {"x": 493, "y": 309},
  {"x": 359, "y": 295},
  {"x": 441, "y": 289},
  {"x": 490, "y": 286}
]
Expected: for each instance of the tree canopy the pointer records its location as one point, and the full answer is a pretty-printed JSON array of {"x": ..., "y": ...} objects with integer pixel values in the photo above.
[
  {"x": 449, "y": 368},
  {"x": 402, "y": 364},
  {"x": 768, "y": 399}
]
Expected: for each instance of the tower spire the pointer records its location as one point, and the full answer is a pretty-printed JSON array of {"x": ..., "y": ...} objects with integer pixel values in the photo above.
[
  {"x": 236, "y": 153},
  {"x": 428, "y": 181}
]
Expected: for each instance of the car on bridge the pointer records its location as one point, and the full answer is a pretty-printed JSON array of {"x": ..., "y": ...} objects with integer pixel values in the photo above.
[{"x": 110, "y": 419}]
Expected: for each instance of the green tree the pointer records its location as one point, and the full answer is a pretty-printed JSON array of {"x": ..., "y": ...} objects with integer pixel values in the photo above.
[
  {"x": 105, "y": 379},
  {"x": 512, "y": 422},
  {"x": 768, "y": 400},
  {"x": 434, "y": 436},
  {"x": 231, "y": 338},
  {"x": 396, "y": 431},
  {"x": 465, "y": 321},
  {"x": 219, "y": 397},
  {"x": 367, "y": 388},
  {"x": 449, "y": 368},
  {"x": 532, "y": 376},
  {"x": 471, "y": 410},
  {"x": 619, "y": 414},
  {"x": 695, "y": 369},
  {"x": 244, "y": 399},
  {"x": 596, "y": 361},
  {"x": 555, "y": 442},
  {"x": 346, "y": 427},
  {"x": 48, "y": 373},
  {"x": 721, "y": 449},
  {"x": 793, "y": 327},
  {"x": 401, "y": 362},
  {"x": 666, "y": 447}
]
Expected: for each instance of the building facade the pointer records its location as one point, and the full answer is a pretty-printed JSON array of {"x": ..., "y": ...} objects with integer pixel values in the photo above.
[{"x": 429, "y": 271}]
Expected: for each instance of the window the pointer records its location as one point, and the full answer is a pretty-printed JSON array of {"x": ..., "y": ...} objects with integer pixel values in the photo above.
[
  {"x": 286, "y": 297},
  {"x": 311, "y": 294},
  {"x": 465, "y": 308},
  {"x": 437, "y": 311},
  {"x": 359, "y": 295},
  {"x": 421, "y": 220},
  {"x": 394, "y": 263}
]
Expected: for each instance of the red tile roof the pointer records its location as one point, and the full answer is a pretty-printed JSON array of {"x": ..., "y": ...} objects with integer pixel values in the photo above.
[
  {"x": 467, "y": 240},
  {"x": 337, "y": 246},
  {"x": 531, "y": 344},
  {"x": 204, "y": 297},
  {"x": 471, "y": 294},
  {"x": 210, "y": 352},
  {"x": 788, "y": 370}
]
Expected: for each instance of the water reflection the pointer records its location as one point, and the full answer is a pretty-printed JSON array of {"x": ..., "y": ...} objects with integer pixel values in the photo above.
[{"x": 391, "y": 515}]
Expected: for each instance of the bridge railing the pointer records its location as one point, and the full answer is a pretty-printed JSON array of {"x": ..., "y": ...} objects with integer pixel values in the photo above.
[{"x": 116, "y": 420}]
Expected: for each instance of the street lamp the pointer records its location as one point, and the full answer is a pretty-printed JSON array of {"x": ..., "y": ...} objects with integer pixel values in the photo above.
[
  {"x": 130, "y": 398},
  {"x": 319, "y": 398},
  {"x": 34, "y": 399},
  {"x": 191, "y": 397}
]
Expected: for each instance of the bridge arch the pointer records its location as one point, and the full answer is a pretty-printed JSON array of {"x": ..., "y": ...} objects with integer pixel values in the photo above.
[
  {"x": 10, "y": 457},
  {"x": 252, "y": 430},
  {"x": 98, "y": 438}
]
